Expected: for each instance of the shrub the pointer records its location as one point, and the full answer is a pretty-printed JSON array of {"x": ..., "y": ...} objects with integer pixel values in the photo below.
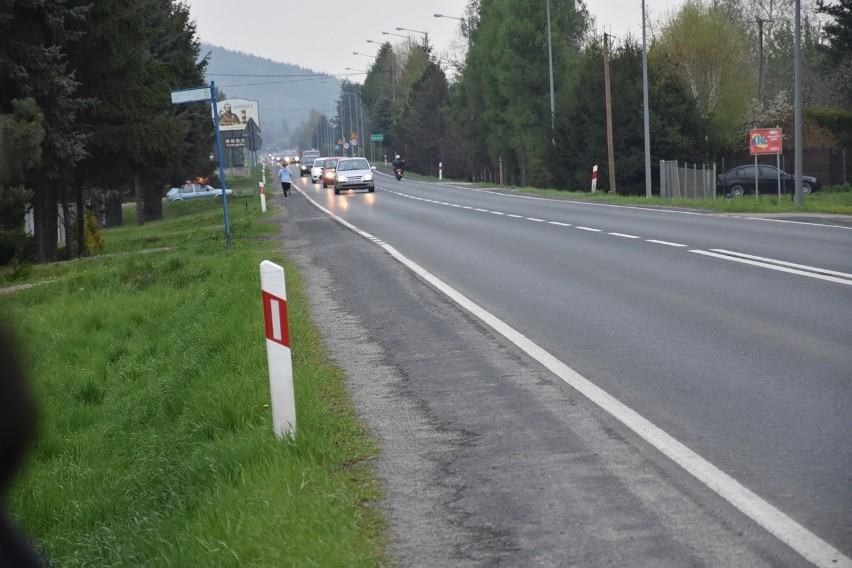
[{"x": 94, "y": 238}]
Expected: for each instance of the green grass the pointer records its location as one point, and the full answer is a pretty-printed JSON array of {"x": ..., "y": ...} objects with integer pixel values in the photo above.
[
  {"x": 830, "y": 202},
  {"x": 156, "y": 445}
]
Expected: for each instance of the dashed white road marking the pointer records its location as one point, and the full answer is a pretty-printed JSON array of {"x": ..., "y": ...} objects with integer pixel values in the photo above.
[
  {"x": 624, "y": 236},
  {"x": 667, "y": 243}
]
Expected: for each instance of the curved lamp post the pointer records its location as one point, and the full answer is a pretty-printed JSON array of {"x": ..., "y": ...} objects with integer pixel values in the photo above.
[
  {"x": 464, "y": 21},
  {"x": 424, "y": 34}
]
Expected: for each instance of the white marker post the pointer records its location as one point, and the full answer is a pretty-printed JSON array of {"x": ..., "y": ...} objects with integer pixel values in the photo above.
[
  {"x": 262, "y": 197},
  {"x": 594, "y": 178},
  {"x": 278, "y": 355}
]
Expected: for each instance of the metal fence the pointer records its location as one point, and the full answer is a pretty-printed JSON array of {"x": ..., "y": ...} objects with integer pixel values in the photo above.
[{"x": 680, "y": 180}]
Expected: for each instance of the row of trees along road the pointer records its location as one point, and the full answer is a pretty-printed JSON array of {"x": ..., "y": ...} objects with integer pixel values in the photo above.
[
  {"x": 716, "y": 69},
  {"x": 86, "y": 114}
]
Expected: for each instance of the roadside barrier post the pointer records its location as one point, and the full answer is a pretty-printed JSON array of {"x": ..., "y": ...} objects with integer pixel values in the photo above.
[
  {"x": 440, "y": 171},
  {"x": 278, "y": 356},
  {"x": 594, "y": 178},
  {"x": 262, "y": 197}
]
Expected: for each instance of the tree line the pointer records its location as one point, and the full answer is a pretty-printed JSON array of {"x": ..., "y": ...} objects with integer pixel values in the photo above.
[
  {"x": 86, "y": 114},
  {"x": 716, "y": 68}
]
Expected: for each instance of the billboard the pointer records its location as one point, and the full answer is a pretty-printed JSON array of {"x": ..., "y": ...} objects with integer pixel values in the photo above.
[
  {"x": 234, "y": 113},
  {"x": 765, "y": 141}
]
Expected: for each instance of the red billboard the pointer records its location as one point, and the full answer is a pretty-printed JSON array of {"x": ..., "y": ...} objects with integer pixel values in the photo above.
[{"x": 765, "y": 141}]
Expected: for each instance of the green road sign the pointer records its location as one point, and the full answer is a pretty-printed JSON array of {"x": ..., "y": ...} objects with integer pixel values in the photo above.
[{"x": 377, "y": 137}]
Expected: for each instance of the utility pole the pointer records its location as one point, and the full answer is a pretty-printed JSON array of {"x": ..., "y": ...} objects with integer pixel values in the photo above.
[
  {"x": 609, "y": 147},
  {"x": 760, "y": 22},
  {"x": 646, "y": 112},
  {"x": 550, "y": 67}
]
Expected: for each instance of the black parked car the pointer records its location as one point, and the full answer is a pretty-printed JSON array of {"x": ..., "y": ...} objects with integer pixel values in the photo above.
[{"x": 740, "y": 181}]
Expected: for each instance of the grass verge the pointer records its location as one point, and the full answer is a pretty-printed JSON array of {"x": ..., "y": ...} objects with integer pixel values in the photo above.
[{"x": 156, "y": 444}]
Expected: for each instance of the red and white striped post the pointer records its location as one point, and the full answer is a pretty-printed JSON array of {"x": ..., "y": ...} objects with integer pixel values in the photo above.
[
  {"x": 278, "y": 356},
  {"x": 594, "y": 178},
  {"x": 262, "y": 196},
  {"x": 440, "y": 171}
]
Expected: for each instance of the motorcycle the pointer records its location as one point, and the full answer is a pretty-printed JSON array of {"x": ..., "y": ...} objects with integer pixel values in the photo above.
[{"x": 398, "y": 173}]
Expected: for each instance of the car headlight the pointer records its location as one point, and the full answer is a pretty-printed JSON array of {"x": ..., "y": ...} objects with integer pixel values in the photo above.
[
  {"x": 341, "y": 178},
  {"x": 368, "y": 177}
]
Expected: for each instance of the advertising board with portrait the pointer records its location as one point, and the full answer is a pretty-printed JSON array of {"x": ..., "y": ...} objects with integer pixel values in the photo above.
[{"x": 235, "y": 113}]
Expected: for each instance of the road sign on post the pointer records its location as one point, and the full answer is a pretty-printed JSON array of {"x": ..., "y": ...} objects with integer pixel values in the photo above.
[
  {"x": 201, "y": 94},
  {"x": 278, "y": 356}
]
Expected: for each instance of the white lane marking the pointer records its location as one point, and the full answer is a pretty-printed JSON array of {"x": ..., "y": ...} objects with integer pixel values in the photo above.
[
  {"x": 560, "y": 224},
  {"x": 590, "y": 229},
  {"x": 794, "y": 222},
  {"x": 515, "y": 216},
  {"x": 774, "y": 267},
  {"x": 667, "y": 243},
  {"x": 497, "y": 213},
  {"x": 623, "y": 235},
  {"x": 785, "y": 263},
  {"x": 788, "y": 531},
  {"x": 534, "y": 219}
]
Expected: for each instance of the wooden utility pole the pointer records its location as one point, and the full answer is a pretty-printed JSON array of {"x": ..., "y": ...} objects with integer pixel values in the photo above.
[{"x": 609, "y": 117}]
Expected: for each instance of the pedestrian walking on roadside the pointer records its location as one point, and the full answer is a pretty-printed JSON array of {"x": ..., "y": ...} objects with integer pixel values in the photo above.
[{"x": 286, "y": 179}]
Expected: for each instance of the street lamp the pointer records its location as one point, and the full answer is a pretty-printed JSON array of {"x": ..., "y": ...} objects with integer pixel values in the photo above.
[
  {"x": 550, "y": 66},
  {"x": 363, "y": 54},
  {"x": 463, "y": 21},
  {"x": 425, "y": 34},
  {"x": 398, "y": 35}
]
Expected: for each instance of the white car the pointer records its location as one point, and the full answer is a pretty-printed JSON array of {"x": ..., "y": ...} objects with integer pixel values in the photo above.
[
  {"x": 353, "y": 173},
  {"x": 316, "y": 170},
  {"x": 193, "y": 190}
]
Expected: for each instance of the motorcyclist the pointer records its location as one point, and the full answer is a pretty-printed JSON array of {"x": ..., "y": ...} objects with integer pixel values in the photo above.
[{"x": 399, "y": 163}]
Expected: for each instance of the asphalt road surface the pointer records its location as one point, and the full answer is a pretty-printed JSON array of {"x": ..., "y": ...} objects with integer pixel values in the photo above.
[{"x": 558, "y": 383}]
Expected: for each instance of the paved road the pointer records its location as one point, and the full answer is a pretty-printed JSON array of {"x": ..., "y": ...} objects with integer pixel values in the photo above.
[{"x": 694, "y": 322}]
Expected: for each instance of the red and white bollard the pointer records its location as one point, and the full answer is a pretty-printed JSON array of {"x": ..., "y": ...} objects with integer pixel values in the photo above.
[
  {"x": 594, "y": 178},
  {"x": 262, "y": 196},
  {"x": 278, "y": 356},
  {"x": 440, "y": 171}
]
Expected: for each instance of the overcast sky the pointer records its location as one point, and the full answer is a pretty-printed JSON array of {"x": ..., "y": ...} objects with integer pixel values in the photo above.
[{"x": 322, "y": 35}]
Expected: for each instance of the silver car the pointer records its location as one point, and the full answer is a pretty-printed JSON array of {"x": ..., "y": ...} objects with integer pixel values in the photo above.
[
  {"x": 354, "y": 173},
  {"x": 193, "y": 190}
]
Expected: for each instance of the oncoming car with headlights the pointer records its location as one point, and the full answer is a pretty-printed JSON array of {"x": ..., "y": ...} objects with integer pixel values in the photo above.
[
  {"x": 354, "y": 173},
  {"x": 316, "y": 170}
]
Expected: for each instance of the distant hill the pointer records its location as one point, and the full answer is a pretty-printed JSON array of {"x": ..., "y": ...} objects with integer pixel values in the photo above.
[{"x": 285, "y": 93}]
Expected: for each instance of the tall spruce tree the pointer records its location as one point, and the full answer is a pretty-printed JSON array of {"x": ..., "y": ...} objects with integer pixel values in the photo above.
[{"x": 34, "y": 65}]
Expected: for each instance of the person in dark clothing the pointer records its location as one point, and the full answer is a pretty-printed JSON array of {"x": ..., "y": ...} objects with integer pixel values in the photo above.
[
  {"x": 398, "y": 162},
  {"x": 17, "y": 433}
]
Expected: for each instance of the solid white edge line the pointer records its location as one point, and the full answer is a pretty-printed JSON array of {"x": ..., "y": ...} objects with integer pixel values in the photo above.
[
  {"x": 784, "y": 263},
  {"x": 774, "y": 267},
  {"x": 788, "y": 531}
]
